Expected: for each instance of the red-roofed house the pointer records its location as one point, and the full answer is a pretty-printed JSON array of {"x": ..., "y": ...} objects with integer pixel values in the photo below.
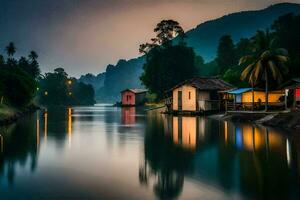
[{"x": 133, "y": 97}]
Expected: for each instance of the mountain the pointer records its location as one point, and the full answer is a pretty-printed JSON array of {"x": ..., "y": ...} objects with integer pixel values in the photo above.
[
  {"x": 204, "y": 39},
  {"x": 107, "y": 85},
  {"x": 96, "y": 81}
]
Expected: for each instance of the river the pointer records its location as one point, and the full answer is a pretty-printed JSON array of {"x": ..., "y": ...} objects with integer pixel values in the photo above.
[{"x": 104, "y": 152}]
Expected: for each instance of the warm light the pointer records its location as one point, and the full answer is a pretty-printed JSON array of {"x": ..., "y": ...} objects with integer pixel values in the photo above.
[
  {"x": 288, "y": 152},
  {"x": 69, "y": 126},
  {"x": 37, "y": 131},
  {"x": 46, "y": 125},
  {"x": 226, "y": 131},
  {"x": 46, "y": 93},
  {"x": 69, "y": 82}
]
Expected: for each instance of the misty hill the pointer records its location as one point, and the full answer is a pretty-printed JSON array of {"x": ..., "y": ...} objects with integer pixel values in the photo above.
[
  {"x": 204, "y": 39},
  {"x": 96, "y": 81},
  {"x": 125, "y": 74}
]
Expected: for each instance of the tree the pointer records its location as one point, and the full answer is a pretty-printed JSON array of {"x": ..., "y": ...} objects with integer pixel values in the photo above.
[
  {"x": 18, "y": 87},
  {"x": 2, "y": 61},
  {"x": 33, "y": 56},
  {"x": 226, "y": 57},
  {"x": 166, "y": 67},
  {"x": 10, "y": 49},
  {"x": 287, "y": 30},
  {"x": 56, "y": 88},
  {"x": 31, "y": 67},
  {"x": 242, "y": 48},
  {"x": 265, "y": 63},
  {"x": 165, "y": 31}
]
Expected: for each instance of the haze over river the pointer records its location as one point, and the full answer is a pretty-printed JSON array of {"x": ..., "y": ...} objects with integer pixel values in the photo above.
[{"x": 104, "y": 152}]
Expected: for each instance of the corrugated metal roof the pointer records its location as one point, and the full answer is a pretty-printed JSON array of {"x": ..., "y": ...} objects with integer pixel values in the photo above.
[
  {"x": 239, "y": 90},
  {"x": 206, "y": 83}
]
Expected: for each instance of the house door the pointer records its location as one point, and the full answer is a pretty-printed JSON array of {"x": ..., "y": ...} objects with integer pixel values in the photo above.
[{"x": 179, "y": 100}]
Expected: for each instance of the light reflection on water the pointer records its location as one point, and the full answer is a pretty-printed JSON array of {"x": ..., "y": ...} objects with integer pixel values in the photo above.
[{"x": 107, "y": 152}]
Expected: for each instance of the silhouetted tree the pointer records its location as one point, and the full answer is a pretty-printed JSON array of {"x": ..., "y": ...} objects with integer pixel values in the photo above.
[
  {"x": 226, "y": 57},
  {"x": 287, "y": 31},
  {"x": 10, "y": 49},
  {"x": 167, "y": 65},
  {"x": 33, "y": 56},
  {"x": 165, "y": 31}
]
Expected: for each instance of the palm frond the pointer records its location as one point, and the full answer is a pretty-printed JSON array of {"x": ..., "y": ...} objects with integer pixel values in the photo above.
[
  {"x": 266, "y": 54},
  {"x": 276, "y": 74},
  {"x": 282, "y": 51},
  {"x": 282, "y": 59},
  {"x": 246, "y": 59},
  {"x": 247, "y": 71},
  {"x": 258, "y": 70}
]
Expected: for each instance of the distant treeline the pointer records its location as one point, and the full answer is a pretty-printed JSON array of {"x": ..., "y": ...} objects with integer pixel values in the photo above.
[
  {"x": 21, "y": 83},
  {"x": 57, "y": 88}
]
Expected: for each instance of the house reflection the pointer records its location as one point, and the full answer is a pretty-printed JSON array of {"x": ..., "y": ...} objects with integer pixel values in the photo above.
[
  {"x": 128, "y": 115},
  {"x": 249, "y": 137},
  {"x": 166, "y": 160},
  {"x": 185, "y": 131},
  {"x": 236, "y": 157},
  {"x": 188, "y": 132}
]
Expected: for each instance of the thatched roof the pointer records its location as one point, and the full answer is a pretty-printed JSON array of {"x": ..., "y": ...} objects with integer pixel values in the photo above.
[{"x": 206, "y": 83}]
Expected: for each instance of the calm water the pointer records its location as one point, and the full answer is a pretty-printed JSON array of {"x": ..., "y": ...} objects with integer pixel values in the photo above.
[{"x": 112, "y": 153}]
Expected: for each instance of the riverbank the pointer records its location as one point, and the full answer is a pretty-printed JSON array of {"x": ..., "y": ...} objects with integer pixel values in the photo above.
[
  {"x": 10, "y": 114},
  {"x": 286, "y": 120}
]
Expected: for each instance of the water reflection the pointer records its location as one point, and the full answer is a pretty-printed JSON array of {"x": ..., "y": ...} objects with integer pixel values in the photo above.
[
  {"x": 254, "y": 161},
  {"x": 97, "y": 153},
  {"x": 18, "y": 149},
  {"x": 21, "y": 142}
]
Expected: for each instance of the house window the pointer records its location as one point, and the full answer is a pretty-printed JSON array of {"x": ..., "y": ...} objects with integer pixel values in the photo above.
[{"x": 189, "y": 95}]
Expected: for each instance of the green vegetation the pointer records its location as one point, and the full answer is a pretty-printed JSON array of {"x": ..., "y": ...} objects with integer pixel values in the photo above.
[
  {"x": 164, "y": 60},
  {"x": 20, "y": 82},
  {"x": 17, "y": 80},
  {"x": 272, "y": 47},
  {"x": 265, "y": 63},
  {"x": 58, "y": 88}
]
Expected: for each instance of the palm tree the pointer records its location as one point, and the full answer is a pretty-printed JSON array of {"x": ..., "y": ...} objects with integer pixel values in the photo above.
[
  {"x": 266, "y": 62},
  {"x": 33, "y": 56},
  {"x": 10, "y": 49}
]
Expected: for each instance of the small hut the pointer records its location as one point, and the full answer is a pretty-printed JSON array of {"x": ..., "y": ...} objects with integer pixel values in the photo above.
[
  {"x": 243, "y": 98},
  {"x": 133, "y": 97},
  {"x": 198, "y": 94}
]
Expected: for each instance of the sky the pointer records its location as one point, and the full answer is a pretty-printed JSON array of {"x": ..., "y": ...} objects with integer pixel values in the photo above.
[{"x": 84, "y": 36}]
